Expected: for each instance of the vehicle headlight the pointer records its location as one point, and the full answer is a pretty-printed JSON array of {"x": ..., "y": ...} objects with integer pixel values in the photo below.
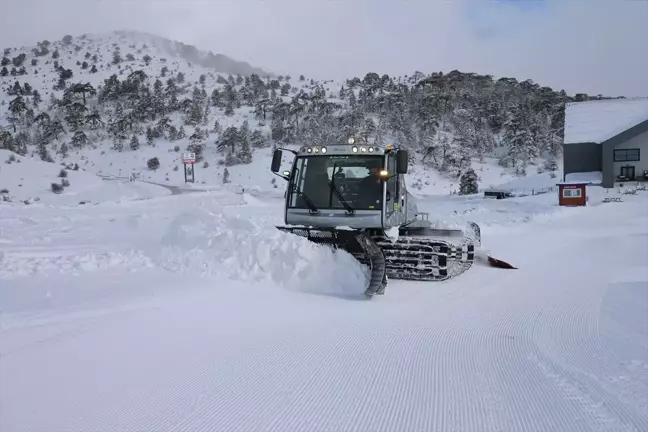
[
  {"x": 310, "y": 150},
  {"x": 363, "y": 149},
  {"x": 323, "y": 149},
  {"x": 371, "y": 149},
  {"x": 354, "y": 149}
]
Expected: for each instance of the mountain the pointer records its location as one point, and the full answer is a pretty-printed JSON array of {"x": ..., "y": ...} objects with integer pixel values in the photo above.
[
  {"x": 128, "y": 102},
  {"x": 218, "y": 62}
]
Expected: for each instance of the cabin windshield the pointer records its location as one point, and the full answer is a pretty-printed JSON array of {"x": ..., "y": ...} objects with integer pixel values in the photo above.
[{"x": 354, "y": 176}]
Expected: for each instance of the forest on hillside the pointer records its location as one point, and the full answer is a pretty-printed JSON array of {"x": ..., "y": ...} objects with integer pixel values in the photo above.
[{"x": 443, "y": 119}]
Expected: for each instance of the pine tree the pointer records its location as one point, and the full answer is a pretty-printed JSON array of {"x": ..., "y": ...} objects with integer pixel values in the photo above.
[
  {"x": 43, "y": 153},
  {"x": 229, "y": 140},
  {"x": 63, "y": 150},
  {"x": 206, "y": 115},
  {"x": 118, "y": 143},
  {"x": 153, "y": 163},
  {"x": 134, "y": 143},
  {"x": 150, "y": 137},
  {"x": 244, "y": 130},
  {"x": 245, "y": 153},
  {"x": 257, "y": 140},
  {"x": 173, "y": 133},
  {"x": 20, "y": 143},
  {"x": 116, "y": 57},
  {"x": 352, "y": 99},
  {"x": 468, "y": 183},
  {"x": 79, "y": 139}
]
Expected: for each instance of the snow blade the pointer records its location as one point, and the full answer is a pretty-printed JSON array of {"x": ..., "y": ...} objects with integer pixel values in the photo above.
[
  {"x": 494, "y": 262},
  {"x": 356, "y": 243}
]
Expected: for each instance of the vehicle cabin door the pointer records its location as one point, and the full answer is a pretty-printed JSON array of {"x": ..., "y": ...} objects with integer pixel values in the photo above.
[{"x": 393, "y": 209}]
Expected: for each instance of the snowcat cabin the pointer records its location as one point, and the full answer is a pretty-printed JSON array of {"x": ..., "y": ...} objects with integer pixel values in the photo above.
[{"x": 341, "y": 185}]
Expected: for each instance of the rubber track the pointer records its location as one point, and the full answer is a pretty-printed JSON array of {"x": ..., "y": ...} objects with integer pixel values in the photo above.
[
  {"x": 425, "y": 259},
  {"x": 414, "y": 256}
]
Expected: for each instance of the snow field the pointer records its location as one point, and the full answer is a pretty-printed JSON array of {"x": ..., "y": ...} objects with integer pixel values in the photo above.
[
  {"x": 214, "y": 330},
  {"x": 29, "y": 179}
]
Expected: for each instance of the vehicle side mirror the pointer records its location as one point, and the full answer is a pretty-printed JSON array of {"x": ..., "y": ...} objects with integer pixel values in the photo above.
[
  {"x": 402, "y": 159},
  {"x": 276, "y": 161}
]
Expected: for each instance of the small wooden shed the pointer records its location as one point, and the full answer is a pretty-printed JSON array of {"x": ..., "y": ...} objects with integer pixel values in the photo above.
[{"x": 572, "y": 193}]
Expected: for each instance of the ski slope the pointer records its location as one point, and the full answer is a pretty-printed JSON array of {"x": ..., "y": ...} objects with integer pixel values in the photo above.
[{"x": 190, "y": 312}]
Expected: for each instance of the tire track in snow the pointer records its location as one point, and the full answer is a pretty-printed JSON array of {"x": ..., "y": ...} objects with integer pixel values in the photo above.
[
  {"x": 500, "y": 338},
  {"x": 518, "y": 321},
  {"x": 571, "y": 354},
  {"x": 373, "y": 368},
  {"x": 291, "y": 390},
  {"x": 53, "y": 261}
]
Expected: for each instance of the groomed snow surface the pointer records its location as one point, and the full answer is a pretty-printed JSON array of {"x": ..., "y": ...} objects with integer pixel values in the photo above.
[{"x": 191, "y": 312}]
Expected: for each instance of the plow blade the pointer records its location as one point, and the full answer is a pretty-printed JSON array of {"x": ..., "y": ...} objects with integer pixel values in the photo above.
[
  {"x": 358, "y": 244},
  {"x": 494, "y": 262}
]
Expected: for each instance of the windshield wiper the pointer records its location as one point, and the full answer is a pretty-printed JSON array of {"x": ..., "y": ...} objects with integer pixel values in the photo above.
[
  {"x": 339, "y": 196},
  {"x": 310, "y": 204}
]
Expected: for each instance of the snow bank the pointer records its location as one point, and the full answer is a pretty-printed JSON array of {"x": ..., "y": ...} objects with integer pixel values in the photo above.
[
  {"x": 531, "y": 184},
  {"x": 595, "y": 177},
  {"x": 455, "y": 211},
  {"x": 213, "y": 244}
]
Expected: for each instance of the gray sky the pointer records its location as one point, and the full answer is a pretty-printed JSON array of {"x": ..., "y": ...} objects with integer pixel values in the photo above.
[{"x": 593, "y": 46}]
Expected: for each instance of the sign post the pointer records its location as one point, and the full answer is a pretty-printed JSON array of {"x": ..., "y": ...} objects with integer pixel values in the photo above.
[{"x": 189, "y": 160}]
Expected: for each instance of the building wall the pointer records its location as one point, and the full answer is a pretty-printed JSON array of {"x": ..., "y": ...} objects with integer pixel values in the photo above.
[
  {"x": 636, "y": 137},
  {"x": 640, "y": 142},
  {"x": 585, "y": 157}
]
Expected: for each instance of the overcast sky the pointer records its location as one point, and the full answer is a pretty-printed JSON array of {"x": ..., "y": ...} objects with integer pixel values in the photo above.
[{"x": 592, "y": 46}]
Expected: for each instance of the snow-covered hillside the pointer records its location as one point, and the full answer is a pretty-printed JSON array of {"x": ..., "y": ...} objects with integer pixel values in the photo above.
[
  {"x": 29, "y": 180},
  {"x": 112, "y": 102}
]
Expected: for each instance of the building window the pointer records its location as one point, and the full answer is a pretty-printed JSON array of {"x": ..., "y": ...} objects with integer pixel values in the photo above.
[
  {"x": 572, "y": 193},
  {"x": 626, "y": 155}
]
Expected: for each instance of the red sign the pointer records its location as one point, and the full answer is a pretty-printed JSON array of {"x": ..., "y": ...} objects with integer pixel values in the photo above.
[{"x": 189, "y": 158}]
